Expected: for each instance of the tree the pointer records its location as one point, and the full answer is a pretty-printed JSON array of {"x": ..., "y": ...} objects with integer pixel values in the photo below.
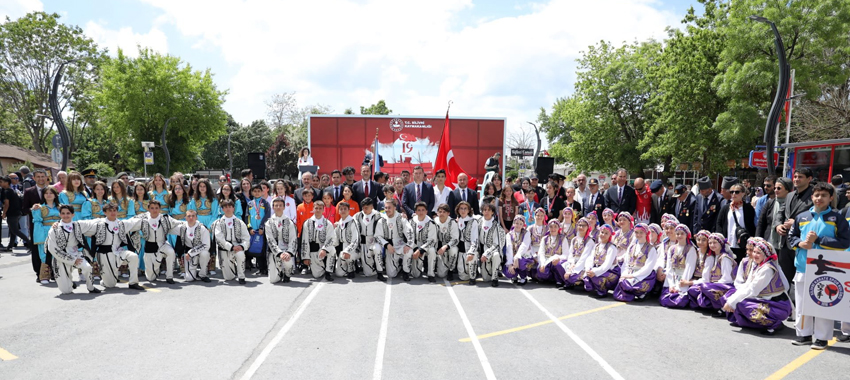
[
  {"x": 252, "y": 138},
  {"x": 376, "y": 109},
  {"x": 816, "y": 46},
  {"x": 31, "y": 50},
  {"x": 139, "y": 95},
  {"x": 287, "y": 118},
  {"x": 824, "y": 118},
  {"x": 609, "y": 113}
]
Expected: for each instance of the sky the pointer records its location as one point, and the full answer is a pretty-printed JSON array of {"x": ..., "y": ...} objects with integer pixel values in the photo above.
[{"x": 495, "y": 58}]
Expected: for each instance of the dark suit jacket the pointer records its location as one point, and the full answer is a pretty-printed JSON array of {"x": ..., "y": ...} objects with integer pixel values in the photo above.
[
  {"x": 687, "y": 213},
  {"x": 597, "y": 206},
  {"x": 31, "y": 197},
  {"x": 471, "y": 197},
  {"x": 409, "y": 197},
  {"x": 330, "y": 189},
  {"x": 707, "y": 213},
  {"x": 766, "y": 219},
  {"x": 795, "y": 203},
  {"x": 359, "y": 191},
  {"x": 659, "y": 210},
  {"x": 299, "y": 199},
  {"x": 749, "y": 221},
  {"x": 629, "y": 202}
]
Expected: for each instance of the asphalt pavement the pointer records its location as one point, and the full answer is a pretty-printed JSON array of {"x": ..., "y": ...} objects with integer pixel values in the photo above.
[{"x": 365, "y": 329}]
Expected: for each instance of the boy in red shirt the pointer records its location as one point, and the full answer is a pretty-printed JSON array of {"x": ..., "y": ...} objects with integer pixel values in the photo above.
[{"x": 304, "y": 211}]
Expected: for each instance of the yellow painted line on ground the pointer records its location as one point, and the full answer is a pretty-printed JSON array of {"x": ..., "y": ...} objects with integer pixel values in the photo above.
[
  {"x": 546, "y": 322},
  {"x": 798, "y": 362},
  {"x": 151, "y": 289},
  {"x": 6, "y": 355},
  {"x": 456, "y": 283}
]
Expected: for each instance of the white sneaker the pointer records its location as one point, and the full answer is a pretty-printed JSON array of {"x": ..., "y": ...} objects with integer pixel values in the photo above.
[
  {"x": 125, "y": 275},
  {"x": 212, "y": 272},
  {"x": 45, "y": 282},
  {"x": 96, "y": 278}
]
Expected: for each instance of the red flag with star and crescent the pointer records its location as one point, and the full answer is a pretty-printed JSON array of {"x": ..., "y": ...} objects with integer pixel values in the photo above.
[{"x": 446, "y": 161}]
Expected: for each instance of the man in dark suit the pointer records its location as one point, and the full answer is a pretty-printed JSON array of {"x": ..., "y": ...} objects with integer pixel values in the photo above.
[
  {"x": 796, "y": 202},
  {"x": 660, "y": 199},
  {"x": 621, "y": 196},
  {"x": 336, "y": 186},
  {"x": 307, "y": 180},
  {"x": 708, "y": 205},
  {"x": 464, "y": 193},
  {"x": 594, "y": 201},
  {"x": 366, "y": 187},
  {"x": 34, "y": 195},
  {"x": 683, "y": 205},
  {"x": 417, "y": 191}
]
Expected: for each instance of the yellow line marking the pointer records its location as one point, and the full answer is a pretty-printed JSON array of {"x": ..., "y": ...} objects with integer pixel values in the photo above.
[
  {"x": 798, "y": 362},
  {"x": 455, "y": 283},
  {"x": 151, "y": 289},
  {"x": 538, "y": 324},
  {"x": 6, "y": 355}
]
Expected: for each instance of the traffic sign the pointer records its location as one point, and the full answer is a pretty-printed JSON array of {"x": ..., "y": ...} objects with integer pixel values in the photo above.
[
  {"x": 758, "y": 159},
  {"x": 56, "y": 156},
  {"x": 57, "y": 141},
  {"x": 522, "y": 152},
  {"x": 148, "y": 158}
]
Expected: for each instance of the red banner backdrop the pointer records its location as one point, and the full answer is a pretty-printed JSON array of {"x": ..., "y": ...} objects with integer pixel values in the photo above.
[{"x": 338, "y": 141}]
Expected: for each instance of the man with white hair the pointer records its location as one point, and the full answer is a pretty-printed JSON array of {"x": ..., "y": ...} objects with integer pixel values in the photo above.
[
  {"x": 61, "y": 177},
  {"x": 307, "y": 181},
  {"x": 582, "y": 190}
]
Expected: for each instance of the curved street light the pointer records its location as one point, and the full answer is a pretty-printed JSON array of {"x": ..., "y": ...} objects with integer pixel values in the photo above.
[{"x": 781, "y": 94}]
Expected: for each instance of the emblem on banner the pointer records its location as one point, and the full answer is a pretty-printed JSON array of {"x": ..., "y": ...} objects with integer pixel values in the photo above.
[
  {"x": 396, "y": 125},
  {"x": 826, "y": 291}
]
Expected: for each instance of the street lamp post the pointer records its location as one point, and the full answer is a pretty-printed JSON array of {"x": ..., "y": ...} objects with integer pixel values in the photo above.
[
  {"x": 53, "y": 102},
  {"x": 536, "y": 152},
  {"x": 781, "y": 94},
  {"x": 165, "y": 147}
]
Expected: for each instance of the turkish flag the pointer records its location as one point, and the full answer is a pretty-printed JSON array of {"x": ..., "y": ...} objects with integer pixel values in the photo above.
[{"x": 446, "y": 161}]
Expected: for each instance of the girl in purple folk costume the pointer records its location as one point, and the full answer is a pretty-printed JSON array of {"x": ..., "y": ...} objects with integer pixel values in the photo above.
[
  {"x": 665, "y": 239},
  {"x": 518, "y": 252},
  {"x": 679, "y": 270},
  {"x": 705, "y": 260},
  {"x": 581, "y": 248},
  {"x": 761, "y": 302},
  {"x": 744, "y": 269},
  {"x": 568, "y": 226},
  {"x": 637, "y": 275},
  {"x": 553, "y": 250},
  {"x": 536, "y": 232},
  {"x": 599, "y": 276},
  {"x": 609, "y": 218},
  {"x": 717, "y": 278},
  {"x": 623, "y": 238},
  {"x": 594, "y": 225}
]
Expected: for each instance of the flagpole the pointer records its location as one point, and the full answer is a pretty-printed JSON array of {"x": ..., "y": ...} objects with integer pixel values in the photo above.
[{"x": 376, "y": 158}]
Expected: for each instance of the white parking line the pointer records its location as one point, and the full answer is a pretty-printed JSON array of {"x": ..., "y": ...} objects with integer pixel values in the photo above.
[
  {"x": 283, "y": 330},
  {"x": 488, "y": 371},
  {"x": 382, "y": 335},
  {"x": 607, "y": 367}
]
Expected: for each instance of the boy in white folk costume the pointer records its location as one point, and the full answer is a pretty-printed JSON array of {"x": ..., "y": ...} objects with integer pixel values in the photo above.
[
  {"x": 196, "y": 248},
  {"x": 425, "y": 242},
  {"x": 317, "y": 243},
  {"x": 448, "y": 237},
  {"x": 282, "y": 238},
  {"x": 347, "y": 242},
  {"x": 492, "y": 239},
  {"x": 396, "y": 237},
  {"x": 111, "y": 241},
  {"x": 370, "y": 252},
  {"x": 231, "y": 235},
  {"x": 468, "y": 248},
  {"x": 63, "y": 241},
  {"x": 154, "y": 228}
]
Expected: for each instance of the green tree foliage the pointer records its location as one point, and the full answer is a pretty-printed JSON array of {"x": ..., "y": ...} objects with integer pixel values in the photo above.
[
  {"x": 289, "y": 124},
  {"x": 252, "y": 138},
  {"x": 376, "y": 109},
  {"x": 31, "y": 50},
  {"x": 139, "y": 94},
  {"x": 609, "y": 113}
]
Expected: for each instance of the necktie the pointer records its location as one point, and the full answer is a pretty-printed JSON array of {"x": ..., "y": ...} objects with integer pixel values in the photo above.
[
  {"x": 464, "y": 194},
  {"x": 418, "y": 193},
  {"x": 336, "y": 192},
  {"x": 367, "y": 188},
  {"x": 705, "y": 205},
  {"x": 620, "y": 196}
]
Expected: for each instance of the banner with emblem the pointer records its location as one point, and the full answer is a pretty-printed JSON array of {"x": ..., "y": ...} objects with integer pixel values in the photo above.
[{"x": 827, "y": 284}]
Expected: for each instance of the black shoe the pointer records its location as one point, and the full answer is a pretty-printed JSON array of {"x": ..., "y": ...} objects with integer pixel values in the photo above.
[
  {"x": 351, "y": 275},
  {"x": 561, "y": 287},
  {"x": 768, "y": 332},
  {"x": 494, "y": 283},
  {"x": 205, "y": 279},
  {"x": 719, "y": 314},
  {"x": 802, "y": 341},
  {"x": 169, "y": 280},
  {"x": 450, "y": 276},
  {"x": 135, "y": 286},
  {"x": 241, "y": 281},
  {"x": 432, "y": 279},
  {"x": 472, "y": 281},
  {"x": 285, "y": 278},
  {"x": 381, "y": 278},
  {"x": 328, "y": 276},
  {"x": 405, "y": 276},
  {"x": 74, "y": 285},
  {"x": 819, "y": 345},
  {"x": 264, "y": 273},
  {"x": 96, "y": 290},
  {"x": 843, "y": 338}
]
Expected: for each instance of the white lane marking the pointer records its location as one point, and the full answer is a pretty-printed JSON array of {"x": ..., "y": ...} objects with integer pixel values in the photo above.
[
  {"x": 382, "y": 335},
  {"x": 283, "y": 330},
  {"x": 607, "y": 367},
  {"x": 488, "y": 371}
]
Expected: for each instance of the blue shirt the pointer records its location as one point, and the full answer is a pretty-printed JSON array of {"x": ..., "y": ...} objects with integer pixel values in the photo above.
[{"x": 832, "y": 229}]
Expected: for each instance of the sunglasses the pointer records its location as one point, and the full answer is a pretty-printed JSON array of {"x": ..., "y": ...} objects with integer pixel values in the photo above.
[{"x": 735, "y": 191}]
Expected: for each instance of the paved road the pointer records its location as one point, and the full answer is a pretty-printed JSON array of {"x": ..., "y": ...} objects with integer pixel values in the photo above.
[{"x": 363, "y": 329}]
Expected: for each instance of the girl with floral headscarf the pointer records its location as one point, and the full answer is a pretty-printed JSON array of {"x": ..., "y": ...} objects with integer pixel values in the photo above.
[
  {"x": 580, "y": 249},
  {"x": 552, "y": 251},
  {"x": 718, "y": 278},
  {"x": 600, "y": 277},
  {"x": 518, "y": 252},
  {"x": 623, "y": 238},
  {"x": 568, "y": 227},
  {"x": 637, "y": 277},
  {"x": 761, "y": 302},
  {"x": 608, "y": 217},
  {"x": 680, "y": 269}
]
